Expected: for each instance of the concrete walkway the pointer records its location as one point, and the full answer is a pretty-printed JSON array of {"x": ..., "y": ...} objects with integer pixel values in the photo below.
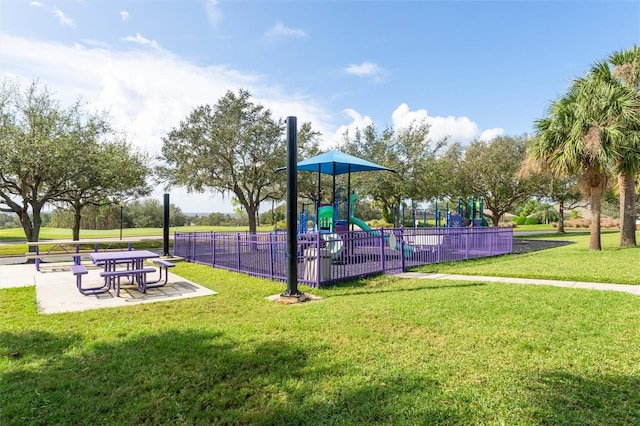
[
  {"x": 56, "y": 288},
  {"x": 626, "y": 288}
]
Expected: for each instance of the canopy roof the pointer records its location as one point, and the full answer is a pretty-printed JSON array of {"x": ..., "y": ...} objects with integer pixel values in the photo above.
[{"x": 337, "y": 163}]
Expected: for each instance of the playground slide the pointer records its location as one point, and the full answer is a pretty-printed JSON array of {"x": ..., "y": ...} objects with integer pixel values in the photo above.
[{"x": 360, "y": 223}]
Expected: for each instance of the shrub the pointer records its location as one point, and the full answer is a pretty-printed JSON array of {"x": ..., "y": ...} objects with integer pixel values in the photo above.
[
  {"x": 519, "y": 220},
  {"x": 606, "y": 223},
  {"x": 531, "y": 220},
  {"x": 379, "y": 223}
]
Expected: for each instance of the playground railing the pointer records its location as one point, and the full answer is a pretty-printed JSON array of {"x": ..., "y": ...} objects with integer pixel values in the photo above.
[{"x": 327, "y": 258}]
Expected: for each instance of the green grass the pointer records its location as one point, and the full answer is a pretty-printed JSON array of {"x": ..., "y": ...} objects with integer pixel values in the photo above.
[
  {"x": 573, "y": 262},
  {"x": 378, "y": 351}
]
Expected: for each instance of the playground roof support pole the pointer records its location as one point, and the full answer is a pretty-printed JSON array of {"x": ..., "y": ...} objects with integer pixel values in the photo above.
[
  {"x": 318, "y": 200},
  {"x": 333, "y": 195},
  {"x": 348, "y": 195},
  {"x": 292, "y": 197}
]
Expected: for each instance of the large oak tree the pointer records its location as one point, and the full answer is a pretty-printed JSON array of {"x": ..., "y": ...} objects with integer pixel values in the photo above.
[
  {"x": 45, "y": 152},
  {"x": 232, "y": 147}
]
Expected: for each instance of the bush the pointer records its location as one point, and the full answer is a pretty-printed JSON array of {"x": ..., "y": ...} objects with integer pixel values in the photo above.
[
  {"x": 531, "y": 220},
  {"x": 519, "y": 220},
  {"x": 605, "y": 223},
  {"x": 379, "y": 223}
]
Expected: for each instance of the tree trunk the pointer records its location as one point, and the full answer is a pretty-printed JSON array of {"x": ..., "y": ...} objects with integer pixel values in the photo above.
[
  {"x": 251, "y": 214},
  {"x": 627, "y": 185},
  {"x": 596, "y": 211},
  {"x": 76, "y": 223},
  {"x": 561, "y": 217},
  {"x": 495, "y": 218},
  {"x": 387, "y": 212}
]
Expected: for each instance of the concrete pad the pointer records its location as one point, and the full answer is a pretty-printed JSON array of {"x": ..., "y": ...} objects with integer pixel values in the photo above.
[
  {"x": 56, "y": 288},
  {"x": 21, "y": 275}
]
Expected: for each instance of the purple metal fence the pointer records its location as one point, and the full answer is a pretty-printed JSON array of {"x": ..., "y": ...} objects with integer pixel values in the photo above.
[{"x": 324, "y": 259}]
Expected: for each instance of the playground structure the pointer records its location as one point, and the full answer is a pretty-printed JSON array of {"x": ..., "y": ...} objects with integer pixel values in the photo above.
[
  {"x": 332, "y": 220},
  {"x": 468, "y": 212},
  {"x": 329, "y": 247}
]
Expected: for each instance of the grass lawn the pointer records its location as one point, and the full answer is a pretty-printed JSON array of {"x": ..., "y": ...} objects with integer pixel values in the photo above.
[
  {"x": 379, "y": 351},
  {"x": 573, "y": 262}
]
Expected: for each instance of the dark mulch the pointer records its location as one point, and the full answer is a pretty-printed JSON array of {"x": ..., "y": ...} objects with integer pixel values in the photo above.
[{"x": 524, "y": 246}]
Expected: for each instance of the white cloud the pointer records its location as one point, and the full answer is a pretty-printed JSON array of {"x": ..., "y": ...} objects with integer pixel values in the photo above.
[
  {"x": 280, "y": 30},
  {"x": 124, "y": 15},
  {"x": 358, "y": 121},
  {"x": 147, "y": 92},
  {"x": 366, "y": 70},
  {"x": 63, "y": 19},
  {"x": 213, "y": 12},
  {"x": 141, "y": 40},
  {"x": 36, "y": 4},
  {"x": 490, "y": 134},
  {"x": 457, "y": 129}
]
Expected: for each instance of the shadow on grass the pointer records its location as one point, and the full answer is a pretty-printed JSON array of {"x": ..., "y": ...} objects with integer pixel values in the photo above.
[
  {"x": 357, "y": 290},
  {"x": 562, "y": 398},
  {"x": 200, "y": 377}
]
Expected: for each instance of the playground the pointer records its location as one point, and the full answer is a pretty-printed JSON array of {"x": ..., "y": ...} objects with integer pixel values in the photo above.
[{"x": 334, "y": 245}]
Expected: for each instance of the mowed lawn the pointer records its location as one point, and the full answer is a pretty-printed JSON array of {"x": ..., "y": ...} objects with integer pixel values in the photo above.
[{"x": 380, "y": 351}]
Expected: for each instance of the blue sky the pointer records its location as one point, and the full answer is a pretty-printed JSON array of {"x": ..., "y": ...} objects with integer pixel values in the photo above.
[{"x": 472, "y": 69}]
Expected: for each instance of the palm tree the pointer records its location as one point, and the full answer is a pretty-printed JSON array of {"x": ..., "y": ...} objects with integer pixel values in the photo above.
[
  {"x": 626, "y": 70},
  {"x": 580, "y": 136}
]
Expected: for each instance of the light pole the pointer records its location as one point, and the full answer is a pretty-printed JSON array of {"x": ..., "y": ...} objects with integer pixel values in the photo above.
[{"x": 121, "y": 204}]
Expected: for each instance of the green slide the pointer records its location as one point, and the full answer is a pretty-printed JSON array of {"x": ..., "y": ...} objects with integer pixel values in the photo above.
[{"x": 360, "y": 223}]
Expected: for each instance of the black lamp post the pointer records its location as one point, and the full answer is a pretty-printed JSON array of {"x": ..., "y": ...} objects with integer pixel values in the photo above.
[{"x": 121, "y": 204}]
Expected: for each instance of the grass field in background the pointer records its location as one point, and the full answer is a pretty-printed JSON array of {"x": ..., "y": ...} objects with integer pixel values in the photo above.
[
  {"x": 379, "y": 351},
  {"x": 573, "y": 262},
  {"x": 17, "y": 234}
]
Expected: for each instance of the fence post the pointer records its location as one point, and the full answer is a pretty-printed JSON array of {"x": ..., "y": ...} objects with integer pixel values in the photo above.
[
  {"x": 192, "y": 245},
  {"x": 238, "y": 248},
  {"x": 318, "y": 266},
  {"x": 466, "y": 247},
  {"x": 213, "y": 248},
  {"x": 271, "y": 255},
  {"x": 382, "y": 256},
  {"x": 402, "y": 263}
]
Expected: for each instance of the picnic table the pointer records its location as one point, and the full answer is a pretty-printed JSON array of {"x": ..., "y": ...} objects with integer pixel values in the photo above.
[
  {"x": 65, "y": 248},
  {"x": 124, "y": 264}
]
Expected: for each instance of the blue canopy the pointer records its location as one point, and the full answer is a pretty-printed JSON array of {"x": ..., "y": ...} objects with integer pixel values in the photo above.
[{"x": 337, "y": 163}]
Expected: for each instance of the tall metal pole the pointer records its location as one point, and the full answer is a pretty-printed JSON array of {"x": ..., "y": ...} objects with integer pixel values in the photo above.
[
  {"x": 165, "y": 224},
  {"x": 121, "y": 204},
  {"x": 292, "y": 203}
]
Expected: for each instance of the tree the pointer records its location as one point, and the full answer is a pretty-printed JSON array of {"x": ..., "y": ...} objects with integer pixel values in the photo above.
[
  {"x": 112, "y": 170},
  {"x": 563, "y": 190},
  {"x": 580, "y": 136},
  {"x": 38, "y": 148},
  {"x": 409, "y": 151},
  {"x": 566, "y": 192},
  {"x": 490, "y": 169},
  {"x": 627, "y": 72},
  {"x": 231, "y": 147}
]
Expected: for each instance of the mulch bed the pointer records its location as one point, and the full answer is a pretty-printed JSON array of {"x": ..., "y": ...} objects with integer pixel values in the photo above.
[{"x": 525, "y": 246}]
